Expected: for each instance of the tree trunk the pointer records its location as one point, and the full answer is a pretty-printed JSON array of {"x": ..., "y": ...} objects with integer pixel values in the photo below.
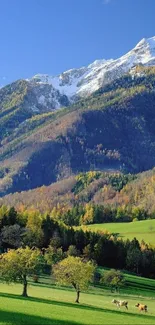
[
  {"x": 24, "y": 294},
  {"x": 78, "y": 296}
]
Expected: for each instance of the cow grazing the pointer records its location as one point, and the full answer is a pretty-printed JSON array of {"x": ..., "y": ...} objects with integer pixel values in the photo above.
[
  {"x": 141, "y": 307},
  {"x": 120, "y": 303}
]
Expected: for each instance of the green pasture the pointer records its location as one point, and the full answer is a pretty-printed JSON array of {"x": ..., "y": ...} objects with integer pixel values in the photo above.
[
  {"x": 49, "y": 304},
  {"x": 142, "y": 230}
]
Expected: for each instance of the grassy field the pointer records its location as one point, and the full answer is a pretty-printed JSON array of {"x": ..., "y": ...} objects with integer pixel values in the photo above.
[
  {"x": 140, "y": 229},
  {"x": 49, "y": 304}
]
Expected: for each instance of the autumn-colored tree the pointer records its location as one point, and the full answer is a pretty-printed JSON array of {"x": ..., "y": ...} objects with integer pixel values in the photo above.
[
  {"x": 34, "y": 235},
  {"x": 73, "y": 271},
  {"x": 88, "y": 217},
  {"x": 17, "y": 265}
]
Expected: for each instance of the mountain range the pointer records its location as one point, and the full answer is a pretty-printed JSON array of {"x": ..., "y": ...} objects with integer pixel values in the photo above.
[
  {"x": 99, "y": 117},
  {"x": 77, "y": 83}
]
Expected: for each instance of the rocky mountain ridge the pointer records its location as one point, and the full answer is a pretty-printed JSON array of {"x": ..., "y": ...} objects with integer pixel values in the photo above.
[{"x": 77, "y": 83}]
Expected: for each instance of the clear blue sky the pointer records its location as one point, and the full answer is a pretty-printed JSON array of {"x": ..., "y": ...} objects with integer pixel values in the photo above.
[{"x": 51, "y": 36}]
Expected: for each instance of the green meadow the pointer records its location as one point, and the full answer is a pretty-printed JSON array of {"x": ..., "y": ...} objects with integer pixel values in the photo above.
[
  {"x": 142, "y": 230},
  {"x": 49, "y": 304}
]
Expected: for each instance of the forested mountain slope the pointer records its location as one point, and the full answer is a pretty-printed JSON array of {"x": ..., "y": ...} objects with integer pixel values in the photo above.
[
  {"x": 100, "y": 196},
  {"x": 111, "y": 129}
]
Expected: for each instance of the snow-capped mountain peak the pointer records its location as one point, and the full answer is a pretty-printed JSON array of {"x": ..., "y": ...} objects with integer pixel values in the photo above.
[
  {"x": 81, "y": 82},
  {"x": 145, "y": 51},
  {"x": 146, "y": 42}
]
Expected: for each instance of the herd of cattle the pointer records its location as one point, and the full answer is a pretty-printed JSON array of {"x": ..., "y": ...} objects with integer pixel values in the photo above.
[{"x": 120, "y": 303}]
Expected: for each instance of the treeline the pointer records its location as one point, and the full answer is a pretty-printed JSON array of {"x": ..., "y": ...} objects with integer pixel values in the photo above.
[
  {"x": 93, "y": 187},
  {"x": 82, "y": 188},
  {"x": 92, "y": 197},
  {"x": 91, "y": 214},
  {"x": 29, "y": 228}
]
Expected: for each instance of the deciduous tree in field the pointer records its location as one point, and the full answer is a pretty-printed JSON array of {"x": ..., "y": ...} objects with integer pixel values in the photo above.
[
  {"x": 113, "y": 279},
  {"x": 73, "y": 271},
  {"x": 17, "y": 265}
]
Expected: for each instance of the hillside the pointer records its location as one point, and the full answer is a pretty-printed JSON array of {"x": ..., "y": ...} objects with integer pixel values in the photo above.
[
  {"x": 21, "y": 100},
  {"x": 102, "y": 196},
  {"x": 128, "y": 196},
  {"x": 49, "y": 304},
  {"x": 111, "y": 129},
  {"x": 80, "y": 189},
  {"x": 141, "y": 230}
]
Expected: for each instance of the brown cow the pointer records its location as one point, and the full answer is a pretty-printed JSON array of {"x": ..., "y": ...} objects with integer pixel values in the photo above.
[{"x": 141, "y": 307}]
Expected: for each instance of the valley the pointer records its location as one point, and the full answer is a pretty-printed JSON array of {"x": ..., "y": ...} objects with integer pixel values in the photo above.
[{"x": 77, "y": 189}]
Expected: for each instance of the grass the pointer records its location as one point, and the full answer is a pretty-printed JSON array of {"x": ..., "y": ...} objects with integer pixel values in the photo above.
[
  {"x": 136, "y": 285},
  {"x": 49, "y": 304},
  {"x": 140, "y": 229}
]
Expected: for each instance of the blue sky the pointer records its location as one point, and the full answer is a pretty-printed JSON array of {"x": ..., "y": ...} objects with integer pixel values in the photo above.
[{"x": 51, "y": 36}]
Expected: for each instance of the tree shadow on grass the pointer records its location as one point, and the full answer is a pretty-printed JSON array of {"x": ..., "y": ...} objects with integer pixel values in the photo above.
[
  {"x": 12, "y": 318},
  {"x": 78, "y": 306}
]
